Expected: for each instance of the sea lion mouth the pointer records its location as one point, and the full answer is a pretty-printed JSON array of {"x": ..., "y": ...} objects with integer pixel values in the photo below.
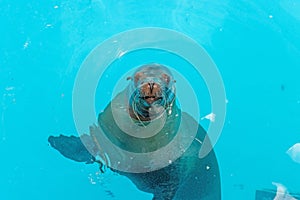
[{"x": 151, "y": 99}]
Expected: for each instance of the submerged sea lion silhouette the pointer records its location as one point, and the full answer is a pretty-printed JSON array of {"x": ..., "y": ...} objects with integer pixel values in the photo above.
[{"x": 188, "y": 177}]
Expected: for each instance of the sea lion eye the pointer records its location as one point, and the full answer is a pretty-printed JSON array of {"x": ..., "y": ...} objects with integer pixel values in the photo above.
[{"x": 137, "y": 77}]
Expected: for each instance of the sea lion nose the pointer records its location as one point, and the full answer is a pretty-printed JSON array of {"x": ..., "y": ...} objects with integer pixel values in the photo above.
[
  {"x": 150, "y": 89},
  {"x": 151, "y": 85}
]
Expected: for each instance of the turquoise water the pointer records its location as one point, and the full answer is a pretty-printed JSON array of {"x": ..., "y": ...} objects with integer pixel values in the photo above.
[{"x": 255, "y": 44}]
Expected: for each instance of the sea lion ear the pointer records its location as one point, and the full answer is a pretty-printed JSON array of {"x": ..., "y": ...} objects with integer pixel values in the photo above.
[
  {"x": 166, "y": 78},
  {"x": 129, "y": 78}
]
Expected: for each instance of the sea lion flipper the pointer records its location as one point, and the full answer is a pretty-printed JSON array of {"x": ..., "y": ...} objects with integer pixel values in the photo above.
[{"x": 72, "y": 147}]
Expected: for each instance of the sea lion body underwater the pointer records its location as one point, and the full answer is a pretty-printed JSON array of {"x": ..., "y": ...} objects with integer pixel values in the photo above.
[{"x": 152, "y": 88}]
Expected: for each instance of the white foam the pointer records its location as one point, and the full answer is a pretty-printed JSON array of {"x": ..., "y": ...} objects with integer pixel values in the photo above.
[
  {"x": 294, "y": 152},
  {"x": 210, "y": 117},
  {"x": 282, "y": 193}
]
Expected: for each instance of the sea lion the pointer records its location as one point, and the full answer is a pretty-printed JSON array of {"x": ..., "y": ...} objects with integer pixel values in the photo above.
[{"x": 150, "y": 97}]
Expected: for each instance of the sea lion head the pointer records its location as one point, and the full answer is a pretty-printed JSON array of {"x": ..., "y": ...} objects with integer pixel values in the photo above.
[{"x": 152, "y": 90}]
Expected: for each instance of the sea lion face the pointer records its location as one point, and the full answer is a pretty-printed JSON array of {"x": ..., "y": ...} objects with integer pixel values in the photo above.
[{"x": 152, "y": 87}]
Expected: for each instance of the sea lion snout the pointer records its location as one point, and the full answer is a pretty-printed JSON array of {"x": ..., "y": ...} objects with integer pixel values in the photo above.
[{"x": 150, "y": 92}]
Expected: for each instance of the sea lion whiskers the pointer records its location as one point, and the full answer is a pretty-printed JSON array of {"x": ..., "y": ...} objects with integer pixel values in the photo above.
[{"x": 134, "y": 109}]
